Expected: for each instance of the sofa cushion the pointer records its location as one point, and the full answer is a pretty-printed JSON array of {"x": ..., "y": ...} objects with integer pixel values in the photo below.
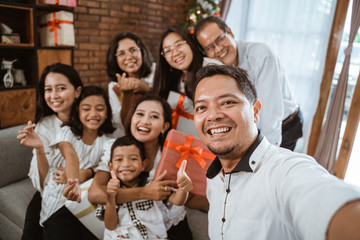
[
  {"x": 12, "y": 168},
  {"x": 198, "y": 223},
  {"x": 14, "y": 201}
]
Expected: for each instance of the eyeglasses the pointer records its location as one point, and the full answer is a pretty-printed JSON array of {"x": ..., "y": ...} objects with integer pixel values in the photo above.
[
  {"x": 219, "y": 41},
  {"x": 179, "y": 46},
  {"x": 132, "y": 51}
]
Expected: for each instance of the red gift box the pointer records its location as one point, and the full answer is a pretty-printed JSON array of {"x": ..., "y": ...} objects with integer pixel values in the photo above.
[{"x": 178, "y": 147}]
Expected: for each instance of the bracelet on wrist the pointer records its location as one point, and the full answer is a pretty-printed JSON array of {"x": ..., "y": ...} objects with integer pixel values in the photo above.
[{"x": 92, "y": 172}]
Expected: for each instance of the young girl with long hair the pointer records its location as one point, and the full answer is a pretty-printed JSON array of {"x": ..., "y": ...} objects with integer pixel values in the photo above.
[{"x": 59, "y": 87}]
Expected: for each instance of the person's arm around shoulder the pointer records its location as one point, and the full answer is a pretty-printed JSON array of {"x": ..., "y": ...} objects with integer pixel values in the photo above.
[
  {"x": 345, "y": 224},
  {"x": 153, "y": 191},
  {"x": 184, "y": 187},
  {"x": 111, "y": 218}
]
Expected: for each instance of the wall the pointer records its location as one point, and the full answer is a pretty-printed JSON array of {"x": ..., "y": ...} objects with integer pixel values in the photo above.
[{"x": 98, "y": 21}]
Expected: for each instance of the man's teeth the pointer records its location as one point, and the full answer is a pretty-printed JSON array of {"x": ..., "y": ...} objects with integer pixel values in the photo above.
[
  {"x": 223, "y": 55},
  {"x": 143, "y": 129},
  {"x": 219, "y": 130}
]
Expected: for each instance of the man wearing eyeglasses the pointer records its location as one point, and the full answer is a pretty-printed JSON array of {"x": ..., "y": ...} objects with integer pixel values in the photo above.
[{"x": 281, "y": 119}]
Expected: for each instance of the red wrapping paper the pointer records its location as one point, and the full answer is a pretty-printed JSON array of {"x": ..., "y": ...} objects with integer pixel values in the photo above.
[{"x": 178, "y": 147}]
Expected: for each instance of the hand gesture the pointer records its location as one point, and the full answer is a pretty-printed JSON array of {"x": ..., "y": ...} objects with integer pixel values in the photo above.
[
  {"x": 72, "y": 190},
  {"x": 113, "y": 185},
  {"x": 183, "y": 181},
  {"x": 60, "y": 175},
  {"x": 28, "y": 137},
  {"x": 159, "y": 189},
  {"x": 131, "y": 83}
]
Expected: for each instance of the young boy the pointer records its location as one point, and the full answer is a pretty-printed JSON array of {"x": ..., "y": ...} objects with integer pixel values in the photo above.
[{"x": 143, "y": 219}]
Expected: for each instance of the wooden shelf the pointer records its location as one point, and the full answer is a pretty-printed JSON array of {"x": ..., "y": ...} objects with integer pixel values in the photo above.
[
  {"x": 18, "y": 103},
  {"x": 20, "y": 20}
]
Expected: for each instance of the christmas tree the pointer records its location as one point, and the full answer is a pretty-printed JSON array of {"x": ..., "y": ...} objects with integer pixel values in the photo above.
[{"x": 201, "y": 9}]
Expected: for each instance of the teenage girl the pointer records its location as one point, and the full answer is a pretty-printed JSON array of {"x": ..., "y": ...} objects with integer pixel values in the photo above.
[
  {"x": 178, "y": 60},
  {"x": 149, "y": 122},
  {"x": 59, "y": 87},
  {"x": 131, "y": 68}
]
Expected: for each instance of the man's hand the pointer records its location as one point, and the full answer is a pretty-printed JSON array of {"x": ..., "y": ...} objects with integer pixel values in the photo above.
[
  {"x": 183, "y": 181},
  {"x": 72, "y": 190},
  {"x": 113, "y": 185}
]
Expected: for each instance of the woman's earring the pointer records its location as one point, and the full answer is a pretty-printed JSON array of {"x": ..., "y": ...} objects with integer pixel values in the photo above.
[{"x": 170, "y": 69}]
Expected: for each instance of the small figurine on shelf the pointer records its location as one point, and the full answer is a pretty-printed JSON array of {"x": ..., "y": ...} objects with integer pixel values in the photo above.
[
  {"x": 19, "y": 77},
  {"x": 8, "y": 77}
]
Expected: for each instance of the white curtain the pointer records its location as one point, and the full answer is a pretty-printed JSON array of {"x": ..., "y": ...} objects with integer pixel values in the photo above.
[{"x": 298, "y": 31}]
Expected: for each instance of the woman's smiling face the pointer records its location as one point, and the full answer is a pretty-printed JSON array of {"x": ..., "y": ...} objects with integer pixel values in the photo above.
[
  {"x": 180, "y": 55},
  {"x": 128, "y": 56},
  {"x": 147, "y": 122}
]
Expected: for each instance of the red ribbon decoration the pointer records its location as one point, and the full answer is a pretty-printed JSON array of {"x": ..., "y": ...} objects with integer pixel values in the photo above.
[
  {"x": 54, "y": 25},
  {"x": 197, "y": 153},
  {"x": 179, "y": 111}
]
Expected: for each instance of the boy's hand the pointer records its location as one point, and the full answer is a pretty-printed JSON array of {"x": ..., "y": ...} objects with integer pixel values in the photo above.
[
  {"x": 183, "y": 181},
  {"x": 113, "y": 185}
]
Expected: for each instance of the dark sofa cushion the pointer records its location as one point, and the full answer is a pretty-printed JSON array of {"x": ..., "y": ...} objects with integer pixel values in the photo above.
[{"x": 12, "y": 168}]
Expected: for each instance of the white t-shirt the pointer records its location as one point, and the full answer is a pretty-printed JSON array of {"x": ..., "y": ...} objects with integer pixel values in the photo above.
[
  {"x": 89, "y": 155},
  {"x": 46, "y": 128},
  {"x": 116, "y": 104},
  {"x": 148, "y": 213},
  {"x": 273, "y": 193}
]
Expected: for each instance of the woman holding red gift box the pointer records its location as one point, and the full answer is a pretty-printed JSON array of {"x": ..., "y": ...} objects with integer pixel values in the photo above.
[
  {"x": 149, "y": 122},
  {"x": 131, "y": 68}
]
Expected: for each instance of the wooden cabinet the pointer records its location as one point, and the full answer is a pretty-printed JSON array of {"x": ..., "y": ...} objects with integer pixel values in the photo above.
[{"x": 18, "y": 103}]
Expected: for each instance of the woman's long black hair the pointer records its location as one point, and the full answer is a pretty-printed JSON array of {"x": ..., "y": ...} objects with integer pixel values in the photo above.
[{"x": 167, "y": 78}]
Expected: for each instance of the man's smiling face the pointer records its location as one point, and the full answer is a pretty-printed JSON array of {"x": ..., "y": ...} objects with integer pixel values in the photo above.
[{"x": 224, "y": 117}]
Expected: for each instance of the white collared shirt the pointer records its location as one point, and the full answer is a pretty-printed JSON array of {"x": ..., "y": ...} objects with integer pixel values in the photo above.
[
  {"x": 268, "y": 76},
  {"x": 287, "y": 196}
]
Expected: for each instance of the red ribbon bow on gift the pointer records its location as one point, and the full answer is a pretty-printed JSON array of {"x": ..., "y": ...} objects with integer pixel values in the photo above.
[
  {"x": 54, "y": 25},
  {"x": 179, "y": 111},
  {"x": 197, "y": 153}
]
